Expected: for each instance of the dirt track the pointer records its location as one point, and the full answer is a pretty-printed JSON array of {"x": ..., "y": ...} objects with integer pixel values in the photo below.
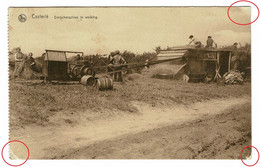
[
  {"x": 209, "y": 129},
  {"x": 220, "y": 136}
]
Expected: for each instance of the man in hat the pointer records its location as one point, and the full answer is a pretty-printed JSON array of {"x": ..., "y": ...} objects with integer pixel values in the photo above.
[
  {"x": 19, "y": 63},
  {"x": 117, "y": 61},
  {"x": 195, "y": 41},
  {"x": 210, "y": 43}
]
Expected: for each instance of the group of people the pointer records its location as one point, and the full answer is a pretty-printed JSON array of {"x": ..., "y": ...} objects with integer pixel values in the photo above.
[
  {"x": 198, "y": 43},
  {"x": 236, "y": 60},
  {"x": 19, "y": 58},
  {"x": 116, "y": 60}
]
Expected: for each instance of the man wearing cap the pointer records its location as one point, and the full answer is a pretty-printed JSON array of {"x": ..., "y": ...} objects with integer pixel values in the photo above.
[
  {"x": 117, "y": 61},
  {"x": 210, "y": 43},
  {"x": 195, "y": 41}
]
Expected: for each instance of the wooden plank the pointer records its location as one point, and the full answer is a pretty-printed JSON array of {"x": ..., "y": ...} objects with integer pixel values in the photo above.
[
  {"x": 64, "y": 51},
  {"x": 176, "y": 51},
  {"x": 170, "y": 55},
  {"x": 169, "y": 58},
  {"x": 217, "y": 75},
  {"x": 183, "y": 47},
  {"x": 209, "y": 59}
]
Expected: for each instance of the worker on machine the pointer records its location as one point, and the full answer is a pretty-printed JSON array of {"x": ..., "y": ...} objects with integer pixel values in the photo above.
[
  {"x": 194, "y": 40},
  {"x": 78, "y": 57},
  {"x": 210, "y": 43},
  {"x": 117, "y": 61}
]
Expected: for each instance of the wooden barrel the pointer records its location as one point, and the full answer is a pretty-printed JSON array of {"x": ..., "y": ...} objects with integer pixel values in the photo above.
[
  {"x": 104, "y": 84},
  {"x": 164, "y": 76},
  {"x": 88, "y": 80}
]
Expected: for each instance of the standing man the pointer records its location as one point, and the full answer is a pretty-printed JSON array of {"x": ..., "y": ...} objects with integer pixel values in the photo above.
[
  {"x": 210, "y": 43},
  {"x": 235, "y": 59},
  {"x": 195, "y": 41},
  {"x": 19, "y": 63},
  {"x": 117, "y": 61}
]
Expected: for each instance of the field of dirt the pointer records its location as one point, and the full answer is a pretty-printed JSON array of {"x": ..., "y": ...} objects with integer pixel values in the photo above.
[
  {"x": 143, "y": 117},
  {"x": 221, "y": 136}
]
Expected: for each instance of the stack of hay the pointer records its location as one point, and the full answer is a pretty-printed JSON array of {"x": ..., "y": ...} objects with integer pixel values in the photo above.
[{"x": 24, "y": 70}]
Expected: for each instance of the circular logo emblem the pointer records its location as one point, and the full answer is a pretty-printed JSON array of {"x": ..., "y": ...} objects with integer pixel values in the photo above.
[{"x": 22, "y": 18}]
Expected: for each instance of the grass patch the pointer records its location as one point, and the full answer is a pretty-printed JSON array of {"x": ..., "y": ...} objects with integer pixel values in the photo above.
[{"x": 36, "y": 103}]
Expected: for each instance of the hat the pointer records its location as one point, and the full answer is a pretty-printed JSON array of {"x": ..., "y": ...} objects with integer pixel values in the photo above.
[
  {"x": 209, "y": 36},
  {"x": 191, "y": 36},
  {"x": 235, "y": 43},
  {"x": 117, "y": 52}
]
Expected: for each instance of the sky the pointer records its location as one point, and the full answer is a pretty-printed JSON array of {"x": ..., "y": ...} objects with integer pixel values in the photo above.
[{"x": 135, "y": 29}]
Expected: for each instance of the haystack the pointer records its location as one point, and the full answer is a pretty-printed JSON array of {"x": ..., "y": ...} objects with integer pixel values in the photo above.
[
  {"x": 23, "y": 70},
  {"x": 134, "y": 76}
]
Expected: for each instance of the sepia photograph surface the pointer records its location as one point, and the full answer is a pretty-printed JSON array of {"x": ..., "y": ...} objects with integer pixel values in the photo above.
[{"x": 129, "y": 82}]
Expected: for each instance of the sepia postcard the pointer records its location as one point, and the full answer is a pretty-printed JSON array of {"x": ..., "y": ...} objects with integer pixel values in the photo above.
[{"x": 129, "y": 82}]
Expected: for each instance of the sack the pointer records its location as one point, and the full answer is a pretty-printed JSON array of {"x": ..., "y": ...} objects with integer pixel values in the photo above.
[{"x": 233, "y": 77}]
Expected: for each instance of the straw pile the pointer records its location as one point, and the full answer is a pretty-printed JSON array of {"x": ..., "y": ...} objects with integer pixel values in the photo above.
[{"x": 24, "y": 70}]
